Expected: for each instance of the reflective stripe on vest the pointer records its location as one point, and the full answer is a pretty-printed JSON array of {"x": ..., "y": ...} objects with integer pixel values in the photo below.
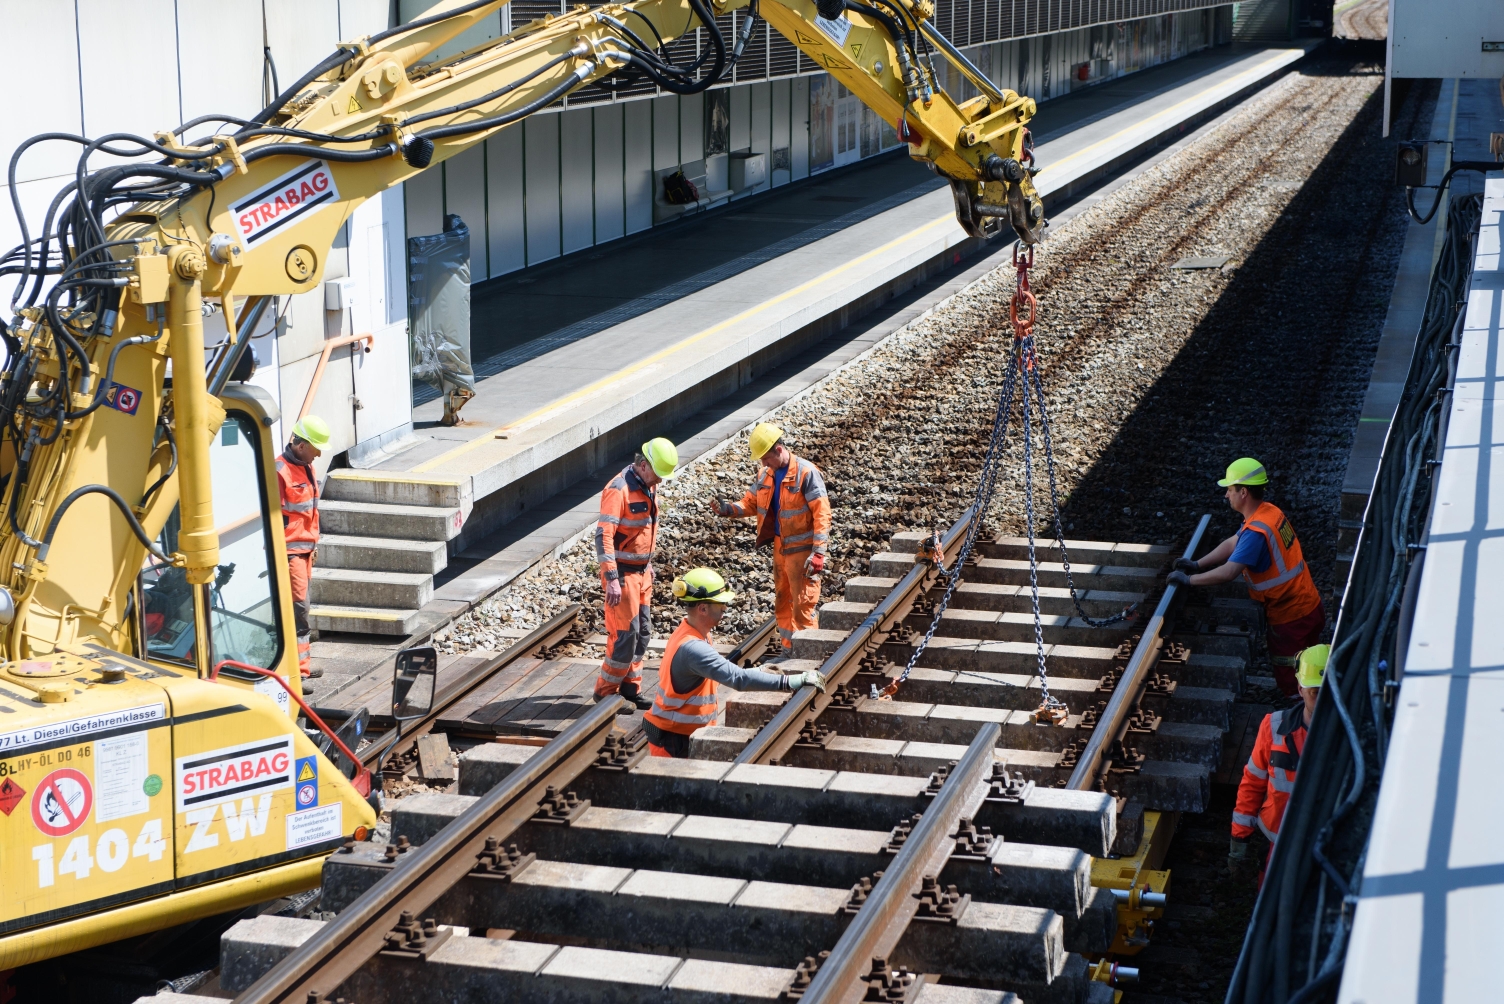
[
  {"x": 687, "y": 712},
  {"x": 1285, "y": 587},
  {"x": 299, "y": 493}
]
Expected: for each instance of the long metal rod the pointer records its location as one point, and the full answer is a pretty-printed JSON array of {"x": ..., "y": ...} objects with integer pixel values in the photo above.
[
  {"x": 775, "y": 738},
  {"x": 1130, "y": 688},
  {"x": 977, "y": 77},
  {"x": 885, "y": 915},
  {"x": 228, "y": 356},
  {"x": 346, "y": 943}
]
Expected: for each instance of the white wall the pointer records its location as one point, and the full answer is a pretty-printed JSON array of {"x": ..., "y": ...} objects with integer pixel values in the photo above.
[
  {"x": 1444, "y": 38},
  {"x": 149, "y": 65}
]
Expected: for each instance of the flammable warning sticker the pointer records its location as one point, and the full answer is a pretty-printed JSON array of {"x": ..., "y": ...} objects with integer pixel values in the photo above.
[
  {"x": 232, "y": 772},
  {"x": 268, "y": 211}
]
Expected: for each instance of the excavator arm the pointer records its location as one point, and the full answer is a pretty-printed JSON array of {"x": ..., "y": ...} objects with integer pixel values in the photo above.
[{"x": 252, "y": 210}]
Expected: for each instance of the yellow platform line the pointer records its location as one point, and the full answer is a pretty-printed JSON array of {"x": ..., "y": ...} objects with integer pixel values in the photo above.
[
  {"x": 621, "y": 375},
  {"x": 1139, "y": 125},
  {"x": 700, "y": 336}
]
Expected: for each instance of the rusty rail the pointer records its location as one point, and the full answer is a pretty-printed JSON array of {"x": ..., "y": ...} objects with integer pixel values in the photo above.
[
  {"x": 551, "y": 632},
  {"x": 1130, "y": 689},
  {"x": 775, "y": 739},
  {"x": 346, "y": 943},
  {"x": 875, "y": 931}
]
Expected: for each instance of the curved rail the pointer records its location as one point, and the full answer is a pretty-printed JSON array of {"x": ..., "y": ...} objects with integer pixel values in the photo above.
[{"x": 1130, "y": 688}]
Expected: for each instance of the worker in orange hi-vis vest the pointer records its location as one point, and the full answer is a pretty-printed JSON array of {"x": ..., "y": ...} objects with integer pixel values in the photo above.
[
  {"x": 1269, "y": 775},
  {"x": 299, "y": 488},
  {"x": 692, "y": 669},
  {"x": 625, "y": 534},
  {"x": 793, "y": 513},
  {"x": 1267, "y": 554}
]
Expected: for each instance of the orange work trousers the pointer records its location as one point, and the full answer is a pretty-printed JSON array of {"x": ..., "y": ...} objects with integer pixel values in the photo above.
[
  {"x": 299, "y": 567},
  {"x": 795, "y": 595},
  {"x": 629, "y": 626}
]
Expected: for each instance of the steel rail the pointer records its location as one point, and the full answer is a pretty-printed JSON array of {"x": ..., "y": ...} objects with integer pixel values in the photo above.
[
  {"x": 883, "y": 918},
  {"x": 775, "y": 739},
  {"x": 1125, "y": 697},
  {"x": 548, "y": 633},
  {"x": 321, "y": 964},
  {"x": 752, "y": 647}
]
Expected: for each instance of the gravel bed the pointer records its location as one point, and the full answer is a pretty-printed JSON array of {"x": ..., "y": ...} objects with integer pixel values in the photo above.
[{"x": 1156, "y": 377}]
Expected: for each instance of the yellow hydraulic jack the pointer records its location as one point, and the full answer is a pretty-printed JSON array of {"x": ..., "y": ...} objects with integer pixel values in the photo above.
[{"x": 1141, "y": 887}]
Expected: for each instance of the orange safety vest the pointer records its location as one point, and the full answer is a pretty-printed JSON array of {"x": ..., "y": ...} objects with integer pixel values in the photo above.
[
  {"x": 676, "y": 712},
  {"x": 300, "y": 504},
  {"x": 803, "y": 508},
  {"x": 627, "y": 529},
  {"x": 1285, "y": 587},
  {"x": 1269, "y": 775}
]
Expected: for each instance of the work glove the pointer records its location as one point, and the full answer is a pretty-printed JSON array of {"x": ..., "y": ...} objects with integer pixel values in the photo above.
[
  {"x": 812, "y": 678},
  {"x": 814, "y": 565},
  {"x": 721, "y": 508},
  {"x": 1187, "y": 565},
  {"x": 613, "y": 592},
  {"x": 1178, "y": 578},
  {"x": 1239, "y": 860}
]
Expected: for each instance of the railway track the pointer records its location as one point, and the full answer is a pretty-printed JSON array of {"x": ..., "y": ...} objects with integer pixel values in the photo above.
[{"x": 940, "y": 845}]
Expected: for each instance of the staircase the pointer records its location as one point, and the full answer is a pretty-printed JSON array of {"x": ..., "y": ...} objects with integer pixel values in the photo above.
[{"x": 383, "y": 538}]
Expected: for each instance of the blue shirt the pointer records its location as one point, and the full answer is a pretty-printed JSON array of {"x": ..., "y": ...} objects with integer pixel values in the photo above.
[
  {"x": 773, "y": 507},
  {"x": 1251, "y": 550}
]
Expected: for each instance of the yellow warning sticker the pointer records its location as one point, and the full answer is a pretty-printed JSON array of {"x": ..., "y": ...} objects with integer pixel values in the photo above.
[
  {"x": 354, "y": 106},
  {"x": 804, "y": 39},
  {"x": 832, "y": 63},
  {"x": 856, "y": 49},
  {"x": 307, "y": 774}
]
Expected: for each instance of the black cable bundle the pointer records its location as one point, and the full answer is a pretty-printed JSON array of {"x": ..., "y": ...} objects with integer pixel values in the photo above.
[{"x": 1296, "y": 943}]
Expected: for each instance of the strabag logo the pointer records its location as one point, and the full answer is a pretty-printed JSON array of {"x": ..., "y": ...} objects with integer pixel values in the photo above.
[
  {"x": 264, "y": 214},
  {"x": 234, "y": 772}
]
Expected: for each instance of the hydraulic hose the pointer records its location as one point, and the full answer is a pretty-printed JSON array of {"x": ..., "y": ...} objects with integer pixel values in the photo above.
[{"x": 120, "y": 503}]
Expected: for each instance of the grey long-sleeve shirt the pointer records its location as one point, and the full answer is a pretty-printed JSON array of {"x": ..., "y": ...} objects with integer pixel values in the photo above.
[{"x": 695, "y": 660}]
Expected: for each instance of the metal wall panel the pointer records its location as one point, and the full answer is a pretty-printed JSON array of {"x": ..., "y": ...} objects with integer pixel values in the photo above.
[
  {"x": 465, "y": 194},
  {"x": 741, "y": 117},
  {"x": 505, "y": 215},
  {"x": 103, "y": 36},
  {"x": 577, "y": 173},
  {"x": 691, "y": 128},
  {"x": 799, "y": 145},
  {"x": 541, "y": 159},
  {"x": 424, "y": 197},
  {"x": 219, "y": 60},
  {"x": 41, "y": 102},
  {"x": 762, "y": 124},
  {"x": 782, "y": 113},
  {"x": 637, "y": 161},
  {"x": 610, "y": 174}
]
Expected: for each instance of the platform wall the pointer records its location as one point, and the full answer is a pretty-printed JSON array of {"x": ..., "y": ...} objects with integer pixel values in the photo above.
[{"x": 574, "y": 177}]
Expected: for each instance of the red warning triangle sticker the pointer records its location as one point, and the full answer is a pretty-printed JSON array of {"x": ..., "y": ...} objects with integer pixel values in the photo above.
[{"x": 11, "y": 794}]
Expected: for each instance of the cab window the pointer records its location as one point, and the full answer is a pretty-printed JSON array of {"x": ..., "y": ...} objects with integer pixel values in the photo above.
[{"x": 244, "y": 612}]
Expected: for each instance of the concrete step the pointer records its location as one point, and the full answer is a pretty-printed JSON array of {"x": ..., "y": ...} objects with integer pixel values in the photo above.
[
  {"x": 363, "y": 620},
  {"x": 383, "y": 554},
  {"x": 373, "y": 519},
  {"x": 396, "y": 488},
  {"x": 361, "y": 587}
]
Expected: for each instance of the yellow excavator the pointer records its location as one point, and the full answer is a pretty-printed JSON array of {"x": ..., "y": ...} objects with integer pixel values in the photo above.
[{"x": 153, "y": 765}]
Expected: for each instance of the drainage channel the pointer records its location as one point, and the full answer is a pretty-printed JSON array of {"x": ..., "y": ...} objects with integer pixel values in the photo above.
[{"x": 938, "y": 846}]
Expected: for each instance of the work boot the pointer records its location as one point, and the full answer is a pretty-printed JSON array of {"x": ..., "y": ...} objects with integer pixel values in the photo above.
[
  {"x": 313, "y": 672},
  {"x": 633, "y": 693}
]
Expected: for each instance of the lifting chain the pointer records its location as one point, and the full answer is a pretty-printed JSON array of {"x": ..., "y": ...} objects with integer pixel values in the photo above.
[{"x": 1023, "y": 311}]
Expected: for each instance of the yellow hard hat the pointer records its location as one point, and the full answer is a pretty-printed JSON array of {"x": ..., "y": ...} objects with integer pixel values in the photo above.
[
  {"x": 1311, "y": 669},
  {"x": 1244, "y": 471},
  {"x": 312, "y": 430},
  {"x": 764, "y": 438},
  {"x": 703, "y": 585},
  {"x": 662, "y": 455}
]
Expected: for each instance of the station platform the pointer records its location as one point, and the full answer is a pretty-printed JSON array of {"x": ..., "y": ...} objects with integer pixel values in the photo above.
[
  {"x": 594, "y": 353},
  {"x": 1428, "y": 921}
]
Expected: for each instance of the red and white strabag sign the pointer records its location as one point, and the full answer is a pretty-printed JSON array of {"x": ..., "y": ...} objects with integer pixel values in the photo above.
[{"x": 270, "y": 211}]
